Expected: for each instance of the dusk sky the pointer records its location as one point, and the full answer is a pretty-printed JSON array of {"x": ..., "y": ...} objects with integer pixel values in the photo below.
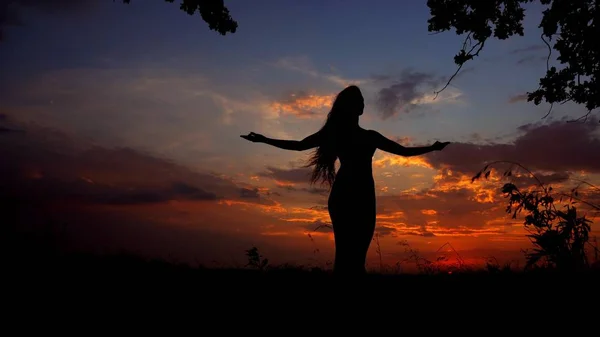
[{"x": 132, "y": 116}]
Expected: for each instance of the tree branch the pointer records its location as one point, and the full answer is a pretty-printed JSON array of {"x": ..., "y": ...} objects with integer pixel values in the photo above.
[{"x": 468, "y": 56}]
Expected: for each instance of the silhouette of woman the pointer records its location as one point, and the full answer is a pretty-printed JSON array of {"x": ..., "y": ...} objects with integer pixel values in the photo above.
[{"x": 351, "y": 204}]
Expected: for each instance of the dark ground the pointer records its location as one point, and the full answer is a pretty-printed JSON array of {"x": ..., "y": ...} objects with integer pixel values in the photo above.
[
  {"x": 86, "y": 293},
  {"x": 114, "y": 276},
  {"x": 43, "y": 285}
]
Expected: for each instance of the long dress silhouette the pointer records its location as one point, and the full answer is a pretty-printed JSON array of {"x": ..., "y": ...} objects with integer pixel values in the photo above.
[{"x": 352, "y": 201}]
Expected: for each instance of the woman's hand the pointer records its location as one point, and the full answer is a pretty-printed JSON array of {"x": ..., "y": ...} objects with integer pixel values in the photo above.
[
  {"x": 437, "y": 146},
  {"x": 254, "y": 137}
]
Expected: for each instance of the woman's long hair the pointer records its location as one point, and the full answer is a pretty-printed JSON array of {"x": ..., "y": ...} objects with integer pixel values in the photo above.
[{"x": 338, "y": 119}]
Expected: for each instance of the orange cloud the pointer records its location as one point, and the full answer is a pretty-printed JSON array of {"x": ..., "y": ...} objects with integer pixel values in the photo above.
[
  {"x": 284, "y": 184},
  {"x": 274, "y": 233},
  {"x": 463, "y": 231},
  {"x": 391, "y": 216},
  {"x": 303, "y": 105},
  {"x": 485, "y": 191},
  {"x": 271, "y": 209},
  {"x": 307, "y": 215},
  {"x": 390, "y": 160}
]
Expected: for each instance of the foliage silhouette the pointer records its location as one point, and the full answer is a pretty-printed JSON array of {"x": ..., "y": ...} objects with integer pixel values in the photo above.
[
  {"x": 213, "y": 12},
  {"x": 560, "y": 237},
  {"x": 255, "y": 259},
  {"x": 351, "y": 204},
  {"x": 573, "y": 23}
]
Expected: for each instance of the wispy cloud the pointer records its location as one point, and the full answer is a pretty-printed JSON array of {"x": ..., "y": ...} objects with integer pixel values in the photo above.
[
  {"x": 303, "y": 65},
  {"x": 530, "y": 54},
  {"x": 292, "y": 175},
  {"x": 529, "y": 49},
  {"x": 517, "y": 98},
  {"x": 408, "y": 91},
  {"x": 180, "y": 113}
]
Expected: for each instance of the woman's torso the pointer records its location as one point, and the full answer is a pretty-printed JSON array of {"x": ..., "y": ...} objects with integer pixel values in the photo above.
[{"x": 355, "y": 151}]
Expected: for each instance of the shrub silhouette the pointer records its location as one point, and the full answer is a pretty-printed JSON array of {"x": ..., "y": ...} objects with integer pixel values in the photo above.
[{"x": 560, "y": 236}]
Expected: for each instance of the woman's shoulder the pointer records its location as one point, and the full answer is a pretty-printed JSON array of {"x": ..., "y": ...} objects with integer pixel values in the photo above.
[{"x": 370, "y": 132}]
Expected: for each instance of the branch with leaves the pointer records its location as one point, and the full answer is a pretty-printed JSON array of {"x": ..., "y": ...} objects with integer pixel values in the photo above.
[
  {"x": 213, "y": 12},
  {"x": 573, "y": 24}
]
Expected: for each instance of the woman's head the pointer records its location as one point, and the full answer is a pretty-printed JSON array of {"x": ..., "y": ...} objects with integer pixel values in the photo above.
[{"x": 348, "y": 105}]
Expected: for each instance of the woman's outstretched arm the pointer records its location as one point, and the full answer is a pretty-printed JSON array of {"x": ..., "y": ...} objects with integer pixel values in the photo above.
[
  {"x": 293, "y": 145},
  {"x": 388, "y": 145}
]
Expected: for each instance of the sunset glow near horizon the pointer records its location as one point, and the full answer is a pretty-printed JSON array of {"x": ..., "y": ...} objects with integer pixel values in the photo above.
[{"x": 132, "y": 116}]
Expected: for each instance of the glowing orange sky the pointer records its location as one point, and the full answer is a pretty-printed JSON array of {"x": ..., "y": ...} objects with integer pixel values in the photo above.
[{"x": 113, "y": 199}]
